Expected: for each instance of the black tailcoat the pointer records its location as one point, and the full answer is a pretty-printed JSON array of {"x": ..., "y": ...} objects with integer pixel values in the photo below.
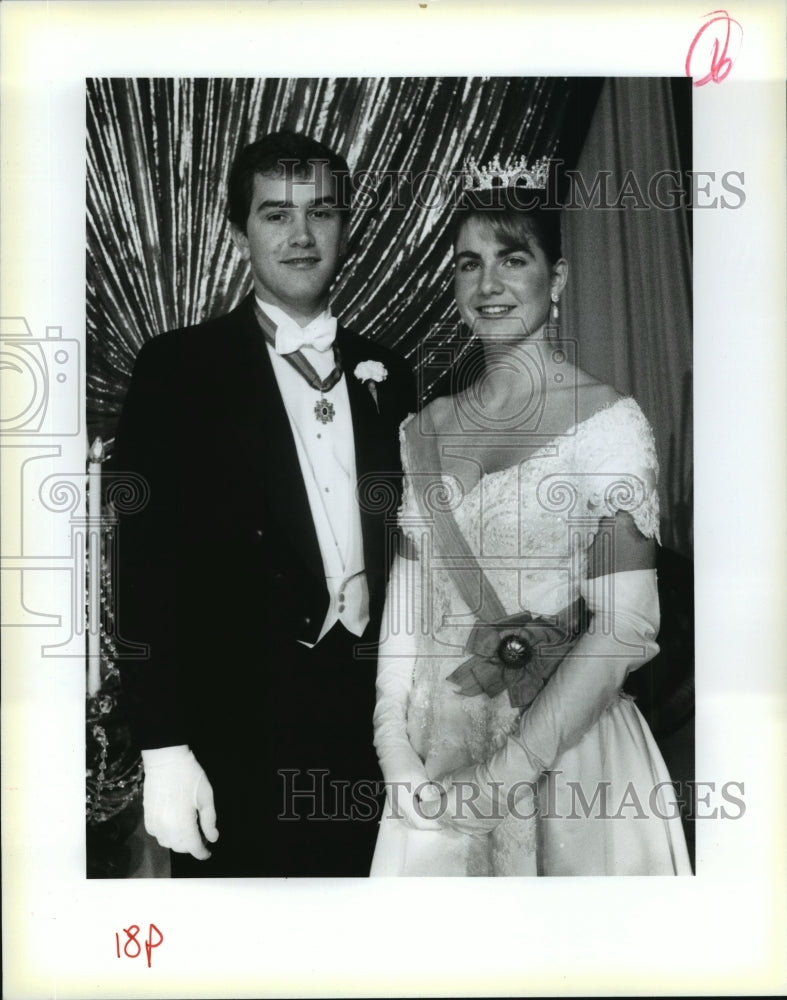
[{"x": 220, "y": 576}]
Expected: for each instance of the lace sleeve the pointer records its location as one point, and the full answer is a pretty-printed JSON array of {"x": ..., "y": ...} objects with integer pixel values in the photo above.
[{"x": 622, "y": 467}]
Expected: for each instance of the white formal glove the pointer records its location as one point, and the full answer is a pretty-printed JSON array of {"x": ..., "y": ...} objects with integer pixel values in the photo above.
[
  {"x": 176, "y": 792},
  {"x": 403, "y": 770},
  {"x": 622, "y": 637}
]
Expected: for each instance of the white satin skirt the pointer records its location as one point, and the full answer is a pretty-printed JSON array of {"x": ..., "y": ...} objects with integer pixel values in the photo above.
[{"x": 607, "y": 807}]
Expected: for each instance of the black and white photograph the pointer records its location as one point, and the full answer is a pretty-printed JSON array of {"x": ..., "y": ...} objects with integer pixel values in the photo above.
[
  {"x": 258, "y": 519},
  {"x": 392, "y": 421}
]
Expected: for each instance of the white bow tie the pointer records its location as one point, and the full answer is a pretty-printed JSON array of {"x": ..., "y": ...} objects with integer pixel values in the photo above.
[{"x": 319, "y": 334}]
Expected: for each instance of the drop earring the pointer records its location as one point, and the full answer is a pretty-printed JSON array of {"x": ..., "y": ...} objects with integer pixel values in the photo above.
[{"x": 555, "y": 311}]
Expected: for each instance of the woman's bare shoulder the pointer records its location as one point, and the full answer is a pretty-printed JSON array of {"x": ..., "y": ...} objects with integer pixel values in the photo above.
[
  {"x": 442, "y": 412},
  {"x": 593, "y": 395}
]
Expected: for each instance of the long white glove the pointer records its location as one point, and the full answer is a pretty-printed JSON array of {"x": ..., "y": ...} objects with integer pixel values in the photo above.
[
  {"x": 621, "y": 638},
  {"x": 403, "y": 770},
  {"x": 176, "y": 792}
]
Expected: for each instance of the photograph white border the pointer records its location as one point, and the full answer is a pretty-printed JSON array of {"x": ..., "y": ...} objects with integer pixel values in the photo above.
[{"x": 720, "y": 932}]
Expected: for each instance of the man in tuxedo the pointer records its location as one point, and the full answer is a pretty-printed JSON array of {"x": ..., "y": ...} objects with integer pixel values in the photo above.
[{"x": 253, "y": 574}]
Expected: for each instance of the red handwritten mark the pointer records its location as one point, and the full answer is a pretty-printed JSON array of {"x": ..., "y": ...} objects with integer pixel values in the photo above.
[
  {"x": 132, "y": 948},
  {"x": 720, "y": 62}
]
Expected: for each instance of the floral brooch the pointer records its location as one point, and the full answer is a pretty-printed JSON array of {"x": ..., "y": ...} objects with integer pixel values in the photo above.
[{"x": 370, "y": 373}]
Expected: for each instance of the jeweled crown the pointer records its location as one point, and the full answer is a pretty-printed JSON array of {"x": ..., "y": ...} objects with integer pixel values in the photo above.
[{"x": 515, "y": 172}]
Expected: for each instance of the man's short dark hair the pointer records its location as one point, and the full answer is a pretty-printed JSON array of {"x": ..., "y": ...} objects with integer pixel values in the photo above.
[{"x": 281, "y": 153}]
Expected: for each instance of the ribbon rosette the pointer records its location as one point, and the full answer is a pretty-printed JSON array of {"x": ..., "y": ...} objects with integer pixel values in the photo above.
[{"x": 518, "y": 654}]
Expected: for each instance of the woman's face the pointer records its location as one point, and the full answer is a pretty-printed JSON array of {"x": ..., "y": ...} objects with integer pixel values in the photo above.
[{"x": 503, "y": 288}]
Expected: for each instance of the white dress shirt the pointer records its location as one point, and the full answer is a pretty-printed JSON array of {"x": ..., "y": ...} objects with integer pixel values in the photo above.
[{"x": 326, "y": 453}]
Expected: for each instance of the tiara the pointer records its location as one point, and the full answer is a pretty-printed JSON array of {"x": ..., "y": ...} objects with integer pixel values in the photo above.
[{"x": 496, "y": 175}]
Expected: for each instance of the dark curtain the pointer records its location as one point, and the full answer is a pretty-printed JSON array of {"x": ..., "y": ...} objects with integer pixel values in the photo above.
[{"x": 628, "y": 300}]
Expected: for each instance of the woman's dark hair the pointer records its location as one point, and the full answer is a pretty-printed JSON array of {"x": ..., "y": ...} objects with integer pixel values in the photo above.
[
  {"x": 513, "y": 214},
  {"x": 281, "y": 153}
]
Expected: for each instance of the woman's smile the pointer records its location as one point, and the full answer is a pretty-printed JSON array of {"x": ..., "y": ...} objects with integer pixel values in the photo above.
[{"x": 490, "y": 312}]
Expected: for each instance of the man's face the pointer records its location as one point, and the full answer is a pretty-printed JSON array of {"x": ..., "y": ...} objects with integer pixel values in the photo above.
[{"x": 294, "y": 240}]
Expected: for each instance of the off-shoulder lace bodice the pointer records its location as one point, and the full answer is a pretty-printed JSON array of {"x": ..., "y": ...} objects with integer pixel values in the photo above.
[{"x": 530, "y": 527}]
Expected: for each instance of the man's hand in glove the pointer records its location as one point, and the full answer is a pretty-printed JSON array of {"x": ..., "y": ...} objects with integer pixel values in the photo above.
[{"x": 178, "y": 801}]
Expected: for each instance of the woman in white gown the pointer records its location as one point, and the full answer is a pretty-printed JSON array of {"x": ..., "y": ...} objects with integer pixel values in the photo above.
[{"x": 523, "y": 593}]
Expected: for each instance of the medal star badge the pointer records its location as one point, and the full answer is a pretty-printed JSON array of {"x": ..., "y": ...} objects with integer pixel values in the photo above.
[{"x": 324, "y": 410}]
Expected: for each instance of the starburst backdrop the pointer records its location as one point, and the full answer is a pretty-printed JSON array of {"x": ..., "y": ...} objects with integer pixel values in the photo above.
[{"x": 159, "y": 151}]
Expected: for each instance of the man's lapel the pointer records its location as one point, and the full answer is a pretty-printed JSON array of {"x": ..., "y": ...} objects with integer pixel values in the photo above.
[
  {"x": 266, "y": 440},
  {"x": 373, "y": 457},
  {"x": 277, "y": 469}
]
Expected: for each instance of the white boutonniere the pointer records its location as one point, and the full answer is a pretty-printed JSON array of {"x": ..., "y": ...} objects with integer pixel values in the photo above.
[{"x": 370, "y": 373}]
